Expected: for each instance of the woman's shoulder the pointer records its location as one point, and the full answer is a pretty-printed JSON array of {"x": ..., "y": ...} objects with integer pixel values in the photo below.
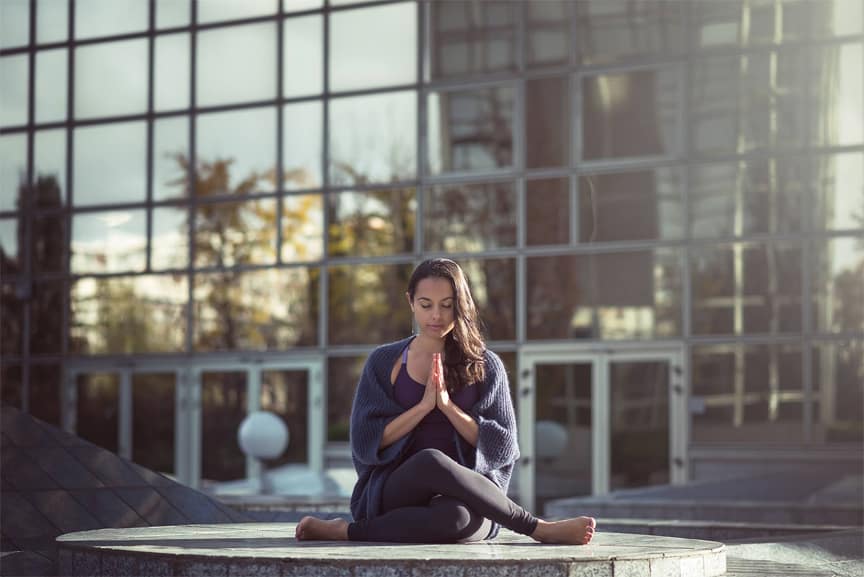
[
  {"x": 386, "y": 354},
  {"x": 494, "y": 367}
]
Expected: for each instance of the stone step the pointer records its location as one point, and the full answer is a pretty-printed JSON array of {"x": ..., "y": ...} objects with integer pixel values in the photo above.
[
  {"x": 751, "y": 568},
  {"x": 270, "y": 549},
  {"x": 712, "y": 530}
]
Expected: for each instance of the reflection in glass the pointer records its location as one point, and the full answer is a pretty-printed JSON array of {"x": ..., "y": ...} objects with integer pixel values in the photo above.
[
  {"x": 270, "y": 309},
  {"x": 124, "y": 315},
  {"x": 110, "y": 17},
  {"x": 360, "y": 60},
  {"x": 752, "y": 197},
  {"x": 838, "y": 285},
  {"x": 639, "y": 423},
  {"x": 838, "y": 382},
  {"x": 169, "y": 245},
  {"x": 371, "y": 223},
  {"x": 614, "y": 103},
  {"x": 223, "y": 408},
  {"x": 171, "y": 157},
  {"x": 216, "y": 10},
  {"x": 722, "y": 23},
  {"x": 744, "y": 392},
  {"x": 636, "y": 205},
  {"x": 14, "y": 79},
  {"x": 302, "y": 228},
  {"x": 10, "y": 386},
  {"x": 125, "y": 63},
  {"x": 547, "y": 122},
  {"x": 613, "y": 30},
  {"x": 470, "y": 217},
  {"x": 235, "y": 233},
  {"x": 838, "y": 18},
  {"x": 170, "y": 13},
  {"x": 837, "y": 112},
  {"x": 547, "y": 211},
  {"x": 14, "y": 23},
  {"x": 9, "y": 256},
  {"x": 51, "y": 78},
  {"x": 49, "y": 163},
  {"x": 236, "y": 64},
  {"x": 171, "y": 72},
  {"x": 52, "y": 21},
  {"x": 45, "y": 398},
  {"x": 493, "y": 286},
  {"x": 367, "y": 304},
  {"x": 748, "y": 102},
  {"x": 13, "y": 169},
  {"x": 343, "y": 374},
  {"x": 303, "y": 56},
  {"x": 113, "y": 241},
  {"x": 559, "y": 297},
  {"x": 236, "y": 152},
  {"x": 302, "y": 145},
  {"x": 373, "y": 138},
  {"x": 49, "y": 243},
  {"x": 838, "y": 181},
  {"x": 46, "y": 313},
  {"x": 746, "y": 288},
  {"x": 286, "y": 394},
  {"x": 109, "y": 163},
  {"x": 562, "y": 430},
  {"x": 471, "y": 130},
  {"x": 97, "y": 410},
  {"x": 467, "y": 38},
  {"x": 547, "y": 33},
  {"x": 12, "y": 308},
  {"x": 153, "y": 408}
]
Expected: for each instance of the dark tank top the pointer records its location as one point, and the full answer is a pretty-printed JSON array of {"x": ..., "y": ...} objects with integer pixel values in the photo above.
[{"x": 434, "y": 431}]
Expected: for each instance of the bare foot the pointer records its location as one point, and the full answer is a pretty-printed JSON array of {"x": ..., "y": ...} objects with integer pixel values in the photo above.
[
  {"x": 576, "y": 531},
  {"x": 314, "y": 529}
]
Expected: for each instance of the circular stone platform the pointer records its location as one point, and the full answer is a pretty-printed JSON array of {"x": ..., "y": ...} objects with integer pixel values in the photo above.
[{"x": 270, "y": 549}]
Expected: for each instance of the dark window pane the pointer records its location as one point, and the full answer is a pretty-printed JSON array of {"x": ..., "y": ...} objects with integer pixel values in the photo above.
[
  {"x": 153, "y": 409},
  {"x": 223, "y": 408},
  {"x": 493, "y": 286},
  {"x": 286, "y": 394},
  {"x": 12, "y": 309},
  {"x": 228, "y": 234},
  {"x": 838, "y": 285},
  {"x": 49, "y": 239},
  {"x": 11, "y": 260},
  {"x": 10, "y": 386},
  {"x": 49, "y": 168},
  {"x": 258, "y": 310},
  {"x": 547, "y": 123},
  {"x": 838, "y": 382},
  {"x": 638, "y": 205},
  {"x": 46, "y": 317},
  {"x": 97, "y": 416},
  {"x": 372, "y": 223},
  {"x": 13, "y": 169},
  {"x": 45, "y": 393},
  {"x": 471, "y": 130},
  {"x": 470, "y": 217},
  {"x": 367, "y": 304},
  {"x": 753, "y": 197},
  {"x": 614, "y": 30},
  {"x": 469, "y": 38},
  {"x": 630, "y": 114},
  {"x": 559, "y": 297},
  {"x": 547, "y": 212},
  {"x": 343, "y": 374},
  {"x": 128, "y": 314},
  {"x": 838, "y": 181},
  {"x": 547, "y": 33}
]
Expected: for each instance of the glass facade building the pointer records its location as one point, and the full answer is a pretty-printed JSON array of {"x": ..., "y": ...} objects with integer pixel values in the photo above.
[{"x": 212, "y": 206}]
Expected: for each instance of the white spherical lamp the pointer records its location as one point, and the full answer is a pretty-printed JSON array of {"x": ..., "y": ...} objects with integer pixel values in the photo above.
[
  {"x": 263, "y": 435},
  {"x": 550, "y": 438}
]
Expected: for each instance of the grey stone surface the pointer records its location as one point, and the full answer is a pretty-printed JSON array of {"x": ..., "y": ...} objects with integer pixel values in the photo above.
[
  {"x": 254, "y": 569},
  {"x": 631, "y": 568}
]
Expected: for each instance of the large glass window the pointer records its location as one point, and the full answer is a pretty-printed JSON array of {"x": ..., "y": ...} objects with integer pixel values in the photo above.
[
  {"x": 614, "y": 103},
  {"x": 360, "y": 59},
  {"x": 838, "y": 284},
  {"x": 633, "y": 205},
  {"x": 372, "y": 223},
  {"x": 110, "y": 163},
  {"x": 125, "y": 63},
  {"x": 373, "y": 138},
  {"x": 470, "y": 217},
  {"x": 493, "y": 286},
  {"x": 471, "y": 129},
  {"x": 236, "y": 64},
  {"x": 746, "y": 393},
  {"x": 838, "y": 388},
  {"x": 123, "y": 315},
  {"x": 235, "y": 233}
]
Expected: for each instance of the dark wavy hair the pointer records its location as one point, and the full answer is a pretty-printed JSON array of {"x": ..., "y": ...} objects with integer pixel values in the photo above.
[{"x": 464, "y": 345}]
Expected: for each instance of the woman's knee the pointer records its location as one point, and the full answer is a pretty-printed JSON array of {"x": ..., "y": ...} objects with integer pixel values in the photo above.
[
  {"x": 432, "y": 459},
  {"x": 455, "y": 518}
]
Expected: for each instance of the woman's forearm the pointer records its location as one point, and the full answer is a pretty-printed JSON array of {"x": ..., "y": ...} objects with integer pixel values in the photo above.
[
  {"x": 402, "y": 425},
  {"x": 464, "y": 423}
]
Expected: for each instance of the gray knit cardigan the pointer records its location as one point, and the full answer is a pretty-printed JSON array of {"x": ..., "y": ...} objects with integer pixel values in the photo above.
[{"x": 374, "y": 406}]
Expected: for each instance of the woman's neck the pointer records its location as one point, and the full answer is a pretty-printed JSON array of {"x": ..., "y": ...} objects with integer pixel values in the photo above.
[{"x": 424, "y": 344}]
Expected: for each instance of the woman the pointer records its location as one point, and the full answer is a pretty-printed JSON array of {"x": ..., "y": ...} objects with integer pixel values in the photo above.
[{"x": 433, "y": 433}]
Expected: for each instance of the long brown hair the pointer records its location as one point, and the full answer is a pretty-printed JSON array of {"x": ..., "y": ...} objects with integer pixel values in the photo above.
[{"x": 464, "y": 345}]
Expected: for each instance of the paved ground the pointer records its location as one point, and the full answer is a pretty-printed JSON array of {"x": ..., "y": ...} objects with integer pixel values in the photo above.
[{"x": 839, "y": 554}]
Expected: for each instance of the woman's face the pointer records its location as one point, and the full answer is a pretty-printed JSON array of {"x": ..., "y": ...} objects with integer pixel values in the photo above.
[{"x": 434, "y": 306}]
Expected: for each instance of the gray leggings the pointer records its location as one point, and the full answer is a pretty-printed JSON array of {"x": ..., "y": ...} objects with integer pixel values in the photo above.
[{"x": 430, "y": 498}]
